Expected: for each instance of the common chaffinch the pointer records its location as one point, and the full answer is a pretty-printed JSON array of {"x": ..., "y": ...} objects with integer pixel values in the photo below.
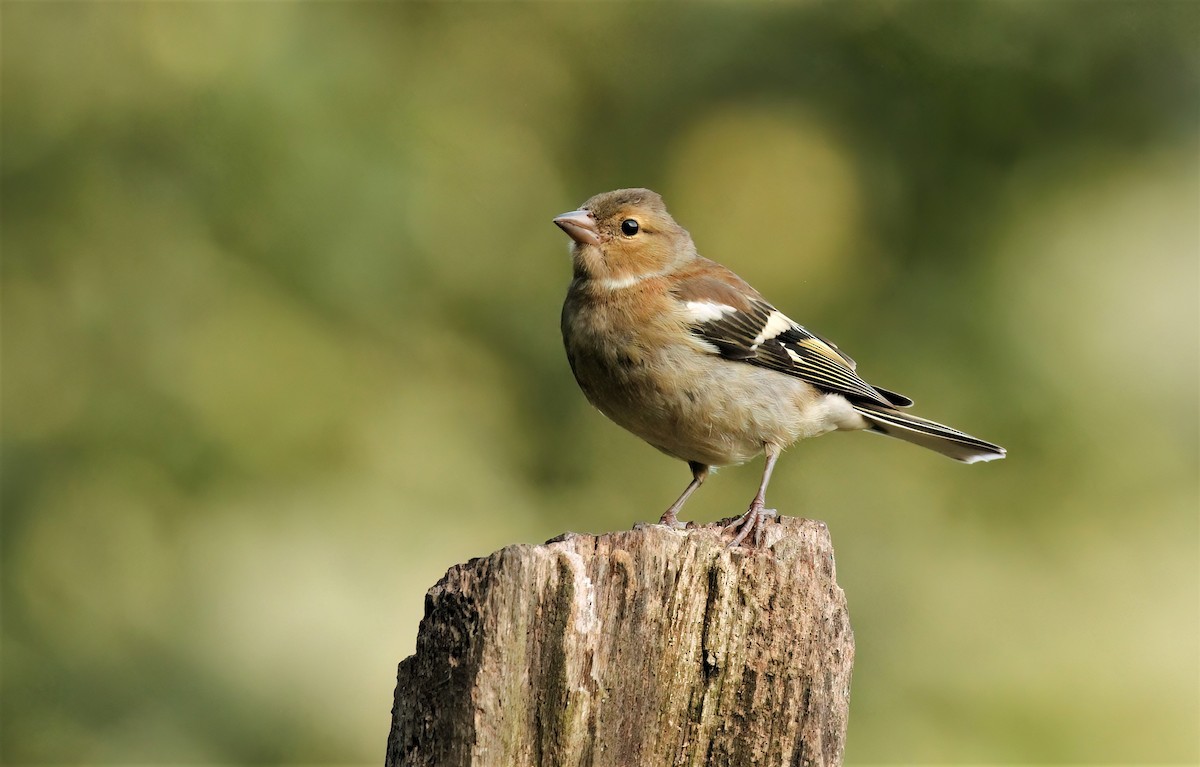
[{"x": 686, "y": 355}]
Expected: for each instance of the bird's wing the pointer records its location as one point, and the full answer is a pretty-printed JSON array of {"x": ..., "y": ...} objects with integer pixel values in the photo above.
[{"x": 748, "y": 329}]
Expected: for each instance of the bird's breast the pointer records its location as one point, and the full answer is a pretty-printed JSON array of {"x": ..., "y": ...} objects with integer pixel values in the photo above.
[{"x": 674, "y": 392}]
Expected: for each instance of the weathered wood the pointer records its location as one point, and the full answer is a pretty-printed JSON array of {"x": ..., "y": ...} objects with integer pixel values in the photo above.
[{"x": 648, "y": 647}]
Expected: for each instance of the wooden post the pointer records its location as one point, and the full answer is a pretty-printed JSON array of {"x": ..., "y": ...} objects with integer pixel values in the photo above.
[{"x": 633, "y": 649}]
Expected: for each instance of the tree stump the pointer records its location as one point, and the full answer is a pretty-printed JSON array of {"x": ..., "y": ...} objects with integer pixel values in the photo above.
[{"x": 632, "y": 649}]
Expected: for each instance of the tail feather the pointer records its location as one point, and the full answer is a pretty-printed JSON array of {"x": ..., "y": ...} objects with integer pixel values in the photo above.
[{"x": 927, "y": 434}]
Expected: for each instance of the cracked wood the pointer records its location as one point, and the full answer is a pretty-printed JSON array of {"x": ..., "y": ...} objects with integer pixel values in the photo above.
[{"x": 647, "y": 647}]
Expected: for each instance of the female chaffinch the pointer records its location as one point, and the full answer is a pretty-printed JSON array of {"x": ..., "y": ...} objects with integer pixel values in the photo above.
[{"x": 686, "y": 355}]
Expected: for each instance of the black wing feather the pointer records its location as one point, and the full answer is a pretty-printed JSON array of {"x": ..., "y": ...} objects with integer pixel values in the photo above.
[{"x": 794, "y": 351}]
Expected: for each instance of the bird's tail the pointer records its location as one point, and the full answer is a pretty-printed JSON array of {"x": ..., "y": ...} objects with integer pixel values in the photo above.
[{"x": 919, "y": 431}]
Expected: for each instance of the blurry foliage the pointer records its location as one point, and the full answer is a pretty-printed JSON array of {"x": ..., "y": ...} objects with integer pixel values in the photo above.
[{"x": 280, "y": 302}]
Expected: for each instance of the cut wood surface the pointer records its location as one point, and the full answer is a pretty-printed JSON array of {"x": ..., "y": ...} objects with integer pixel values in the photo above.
[{"x": 632, "y": 649}]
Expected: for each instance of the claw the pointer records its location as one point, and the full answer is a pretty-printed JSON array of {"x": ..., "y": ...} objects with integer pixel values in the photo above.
[
  {"x": 671, "y": 521},
  {"x": 754, "y": 521}
]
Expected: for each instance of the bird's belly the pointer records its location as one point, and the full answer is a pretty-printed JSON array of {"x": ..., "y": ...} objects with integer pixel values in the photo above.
[{"x": 716, "y": 412}]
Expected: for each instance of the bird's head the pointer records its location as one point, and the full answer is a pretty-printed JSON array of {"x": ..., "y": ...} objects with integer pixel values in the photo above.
[{"x": 624, "y": 236}]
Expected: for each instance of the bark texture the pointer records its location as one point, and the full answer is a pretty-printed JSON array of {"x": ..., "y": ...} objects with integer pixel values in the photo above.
[{"x": 640, "y": 648}]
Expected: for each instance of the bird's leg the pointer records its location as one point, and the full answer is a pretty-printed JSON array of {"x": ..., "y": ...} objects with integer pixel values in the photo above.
[
  {"x": 699, "y": 474},
  {"x": 755, "y": 519}
]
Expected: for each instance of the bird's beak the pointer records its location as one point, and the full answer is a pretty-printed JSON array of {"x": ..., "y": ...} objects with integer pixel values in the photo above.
[{"x": 579, "y": 226}]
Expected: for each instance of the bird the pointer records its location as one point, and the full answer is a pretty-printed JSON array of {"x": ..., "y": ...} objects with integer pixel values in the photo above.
[{"x": 686, "y": 355}]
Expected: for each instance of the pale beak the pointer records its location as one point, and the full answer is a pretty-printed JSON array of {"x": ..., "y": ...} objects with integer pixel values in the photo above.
[{"x": 579, "y": 226}]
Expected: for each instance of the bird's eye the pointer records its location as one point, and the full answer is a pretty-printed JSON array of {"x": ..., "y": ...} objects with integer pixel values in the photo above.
[{"x": 629, "y": 227}]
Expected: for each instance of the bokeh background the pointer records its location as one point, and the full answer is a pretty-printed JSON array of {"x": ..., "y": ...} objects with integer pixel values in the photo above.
[{"x": 280, "y": 344}]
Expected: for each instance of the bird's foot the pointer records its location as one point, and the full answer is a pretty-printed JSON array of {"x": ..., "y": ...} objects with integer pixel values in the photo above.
[
  {"x": 668, "y": 519},
  {"x": 753, "y": 522}
]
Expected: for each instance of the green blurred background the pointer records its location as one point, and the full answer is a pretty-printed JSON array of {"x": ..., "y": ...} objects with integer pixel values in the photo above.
[{"x": 280, "y": 344}]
